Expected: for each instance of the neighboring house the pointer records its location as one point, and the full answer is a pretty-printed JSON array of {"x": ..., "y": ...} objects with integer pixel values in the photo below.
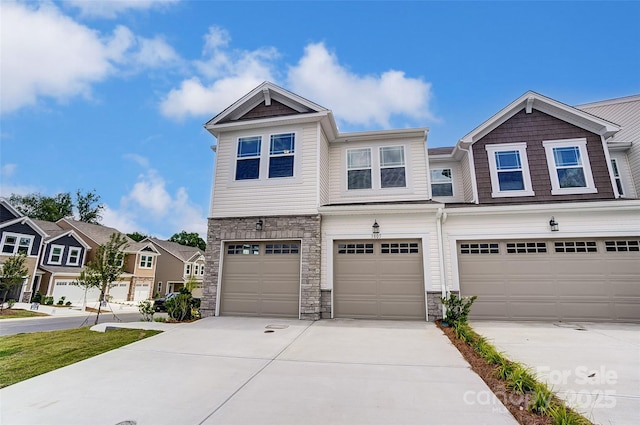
[
  {"x": 63, "y": 258},
  {"x": 524, "y": 211},
  {"x": 136, "y": 283},
  {"x": 20, "y": 234},
  {"x": 176, "y": 265}
]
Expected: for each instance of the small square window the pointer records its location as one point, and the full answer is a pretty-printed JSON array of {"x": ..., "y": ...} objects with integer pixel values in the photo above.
[{"x": 441, "y": 182}]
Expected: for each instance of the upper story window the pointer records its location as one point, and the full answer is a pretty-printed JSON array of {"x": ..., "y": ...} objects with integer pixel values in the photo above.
[
  {"x": 616, "y": 176},
  {"x": 55, "y": 254},
  {"x": 441, "y": 182},
  {"x": 187, "y": 269},
  {"x": 359, "y": 168},
  {"x": 281, "y": 155},
  {"x": 392, "y": 167},
  {"x": 196, "y": 269},
  {"x": 509, "y": 170},
  {"x": 73, "y": 258},
  {"x": 13, "y": 243},
  {"x": 248, "y": 158},
  {"x": 569, "y": 166},
  {"x": 201, "y": 269},
  {"x": 146, "y": 261}
]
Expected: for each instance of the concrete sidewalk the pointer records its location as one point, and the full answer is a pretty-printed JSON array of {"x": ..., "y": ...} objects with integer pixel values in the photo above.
[
  {"x": 265, "y": 371},
  {"x": 595, "y": 367},
  {"x": 74, "y": 310}
]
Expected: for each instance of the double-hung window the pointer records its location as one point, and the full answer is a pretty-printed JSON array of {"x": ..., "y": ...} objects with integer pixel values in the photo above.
[
  {"x": 248, "y": 158},
  {"x": 281, "y": 155},
  {"x": 55, "y": 254},
  {"x": 187, "y": 269},
  {"x": 13, "y": 244},
  {"x": 441, "y": 182},
  {"x": 146, "y": 261},
  {"x": 569, "y": 167},
  {"x": 359, "y": 168},
  {"x": 509, "y": 170},
  {"x": 73, "y": 258},
  {"x": 392, "y": 172}
]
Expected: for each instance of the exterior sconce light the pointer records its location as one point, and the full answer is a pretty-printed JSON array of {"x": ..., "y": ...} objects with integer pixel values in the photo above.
[
  {"x": 259, "y": 225},
  {"x": 553, "y": 224},
  {"x": 375, "y": 229}
]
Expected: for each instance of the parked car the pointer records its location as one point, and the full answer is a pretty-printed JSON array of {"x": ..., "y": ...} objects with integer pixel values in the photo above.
[{"x": 158, "y": 303}]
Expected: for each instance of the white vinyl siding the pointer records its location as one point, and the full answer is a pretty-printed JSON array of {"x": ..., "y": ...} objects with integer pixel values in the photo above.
[
  {"x": 467, "y": 182},
  {"x": 253, "y": 197},
  {"x": 417, "y": 187},
  {"x": 626, "y": 179},
  {"x": 324, "y": 171}
]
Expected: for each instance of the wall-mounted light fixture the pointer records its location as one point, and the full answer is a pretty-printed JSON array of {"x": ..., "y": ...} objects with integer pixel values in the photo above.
[
  {"x": 375, "y": 229},
  {"x": 553, "y": 224},
  {"x": 259, "y": 225}
]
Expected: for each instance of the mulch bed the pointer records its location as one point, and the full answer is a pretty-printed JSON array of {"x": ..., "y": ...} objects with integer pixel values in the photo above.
[{"x": 516, "y": 403}]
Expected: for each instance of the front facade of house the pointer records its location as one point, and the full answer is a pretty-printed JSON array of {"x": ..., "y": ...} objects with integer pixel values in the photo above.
[
  {"x": 177, "y": 264},
  {"x": 526, "y": 212}
]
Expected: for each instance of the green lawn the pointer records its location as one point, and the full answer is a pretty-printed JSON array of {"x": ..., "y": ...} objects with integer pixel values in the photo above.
[
  {"x": 24, "y": 356},
  {"x": 9, "y": 313}
]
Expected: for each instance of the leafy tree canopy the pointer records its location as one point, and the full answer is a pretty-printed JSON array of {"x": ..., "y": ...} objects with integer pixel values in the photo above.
[
  {"x": 52, "y": 208},
  {"x": 137, "y": 236},
  {"x": 189, "y": 239}
]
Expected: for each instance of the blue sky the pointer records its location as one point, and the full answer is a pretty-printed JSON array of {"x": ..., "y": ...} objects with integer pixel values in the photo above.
[{"x": 111, "y": 96}]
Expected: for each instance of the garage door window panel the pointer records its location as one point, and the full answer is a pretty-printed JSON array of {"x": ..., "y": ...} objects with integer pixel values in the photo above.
[
  {"x": 355, "y": 248},
  {"x": 576, "y": 246},
  {"x": 622, "y": 246},
  {"x": 243, "y": 249},
  {"x": 526, "y": 247},
  {"x": 284, "y": 248},
  {"x": 480, "y": 248},
  {"x": 400, "y": 248}
]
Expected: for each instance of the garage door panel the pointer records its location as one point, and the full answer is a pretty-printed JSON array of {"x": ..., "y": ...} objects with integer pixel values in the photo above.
[
  {"x": 261, "y": 281},
  {"x": 385, "y": 282},
  {"x": 552, "y": 284}
]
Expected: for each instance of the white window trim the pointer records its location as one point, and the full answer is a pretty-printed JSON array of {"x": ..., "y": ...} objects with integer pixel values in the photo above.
[
  {"x": 453, "y": 186},
  {"x": 187, "y": 269},
  {"x": 581, "y": 144},
  {"x": 143, "y": 264},
  {"x": 71, "y": 250},
  {"x": 17, "y": 245},
  {"x": 50, "y": 260},
  {"x": 265, "y": 154},
  {"x": 376, "y": 184},
  {"x": 493, "y": 169}
]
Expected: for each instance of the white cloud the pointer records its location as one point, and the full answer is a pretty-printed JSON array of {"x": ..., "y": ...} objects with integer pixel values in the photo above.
[
  {"x": 224, "y": 75},
  {"x": 111, "y": 8},
  {"x": 358, "y": 99},
  {"x": 150, "y": 205},
  {"x": 8, "y": 170},
  {"x": 64, "y": 58}
]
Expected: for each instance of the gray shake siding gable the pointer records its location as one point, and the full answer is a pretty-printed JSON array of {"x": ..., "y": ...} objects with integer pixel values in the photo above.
[
  {"x": 534, "y": 128},
  {"x": 304, "y": 228},
  {"x": 67, "y": 242}
]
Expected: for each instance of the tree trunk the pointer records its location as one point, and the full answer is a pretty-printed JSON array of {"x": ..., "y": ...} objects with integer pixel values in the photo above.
[{"x": 102, "y": 289}]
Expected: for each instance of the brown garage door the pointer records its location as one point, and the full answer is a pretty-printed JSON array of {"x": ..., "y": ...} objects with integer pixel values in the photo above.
[
  {"x": 378, "y": 279},
  {"x": 568, "y": 279},
  {"x": 261, "y": 279}
]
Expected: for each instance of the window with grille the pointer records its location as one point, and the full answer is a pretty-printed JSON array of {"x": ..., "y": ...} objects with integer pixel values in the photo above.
[
  {"x": 577, "y": 246},
  {"x": 399, "y": 248},
  {"x": 622, "y": 246},
  {"x": 526, "y": 247},
  {"x": 480, "y": 248},
  {"x": 355, "y": 248},
  {"x": 282, "y": 248},
  {"x": 243, "y": 249}
]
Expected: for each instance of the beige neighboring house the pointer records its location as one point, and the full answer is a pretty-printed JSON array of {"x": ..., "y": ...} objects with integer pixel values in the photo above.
[
  {"x": 136, "y": 283},
  {"x": 176, "y": 265}
]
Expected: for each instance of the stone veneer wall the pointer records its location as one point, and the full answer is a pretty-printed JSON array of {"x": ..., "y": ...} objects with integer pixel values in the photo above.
[
  {"x": 434, "y": 305},
  {"x": 325, "y": 303},
  {"x": 305, "y": 228}
]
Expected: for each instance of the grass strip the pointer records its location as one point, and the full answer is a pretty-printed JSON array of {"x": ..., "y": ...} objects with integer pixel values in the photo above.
[
  {"x": 9, "y": 313},
  {"x": 24, "y": 356}
]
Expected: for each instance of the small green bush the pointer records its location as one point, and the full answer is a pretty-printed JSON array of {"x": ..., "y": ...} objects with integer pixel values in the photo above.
[
  {"x": 541, "y": 399},
  {"x": 36, "y": 298},
  {"x": 48, "y": 300},
  {"x": 561, "y": 415},
  {"x": 179, "y": 307},
  {"x": 146, "y": 309},
  {"x": 68, "y": 303},
  {"x": 457, "y": 308},
  {"x": 10, "y": 302},
  {"x": 61, "y": 301},
  {"x": 160, "y": 319},
  {"x": 504, "y": 369},
  {"x": 520, "y": 380}
]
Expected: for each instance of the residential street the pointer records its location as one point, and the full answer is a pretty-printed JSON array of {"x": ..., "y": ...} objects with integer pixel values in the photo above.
[{"x": 40, "y": 324}]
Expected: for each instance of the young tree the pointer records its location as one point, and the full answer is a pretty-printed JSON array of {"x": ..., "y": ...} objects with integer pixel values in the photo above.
[
  {"x": 12, "y": 273},
  {"x": 189, "y": 239},
  {"x": 88, "y": 206},
  {"x": 106, "y": 267}
]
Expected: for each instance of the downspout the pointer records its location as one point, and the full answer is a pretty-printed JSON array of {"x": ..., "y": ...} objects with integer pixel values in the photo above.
[{"x": 441, "y": 217}]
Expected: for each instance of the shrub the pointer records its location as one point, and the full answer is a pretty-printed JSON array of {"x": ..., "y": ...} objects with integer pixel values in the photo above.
[
  {"x": 457, "y": 308},
  {"x": 36, "y": 298},
  {"x": 540, "y": 401},
  {"x": 146, "y": 309},
  {"x": 504, "y": 369},
  {"x": 68, "y": 303},
  {"x": 48, "y": 300},
  {"x": 561, "y": 415},
  {"x": 61, "y": 301},
  {"x": 10, "y": 302},
  {"x": 520, "y": 380},
  {"x": 179, "y": 307},
  {"x": 160, "y": 319}
]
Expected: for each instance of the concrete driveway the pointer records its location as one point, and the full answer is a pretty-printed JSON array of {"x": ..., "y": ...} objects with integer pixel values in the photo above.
[
  {"x": 595, "y": 367},
  {"x": 265, "y": 371}
]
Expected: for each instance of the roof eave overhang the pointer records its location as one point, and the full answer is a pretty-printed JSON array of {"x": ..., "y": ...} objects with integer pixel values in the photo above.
[
  {"x": 368, "y": 136},
  {"x": 218, "y": 129}
]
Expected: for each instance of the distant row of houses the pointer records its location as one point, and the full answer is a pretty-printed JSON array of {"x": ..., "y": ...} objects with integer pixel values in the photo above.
[{"x": 58, "y": 252}]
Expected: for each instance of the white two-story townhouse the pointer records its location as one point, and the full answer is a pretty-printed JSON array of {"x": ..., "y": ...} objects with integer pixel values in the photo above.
[{"x": 309, "y": 222}]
